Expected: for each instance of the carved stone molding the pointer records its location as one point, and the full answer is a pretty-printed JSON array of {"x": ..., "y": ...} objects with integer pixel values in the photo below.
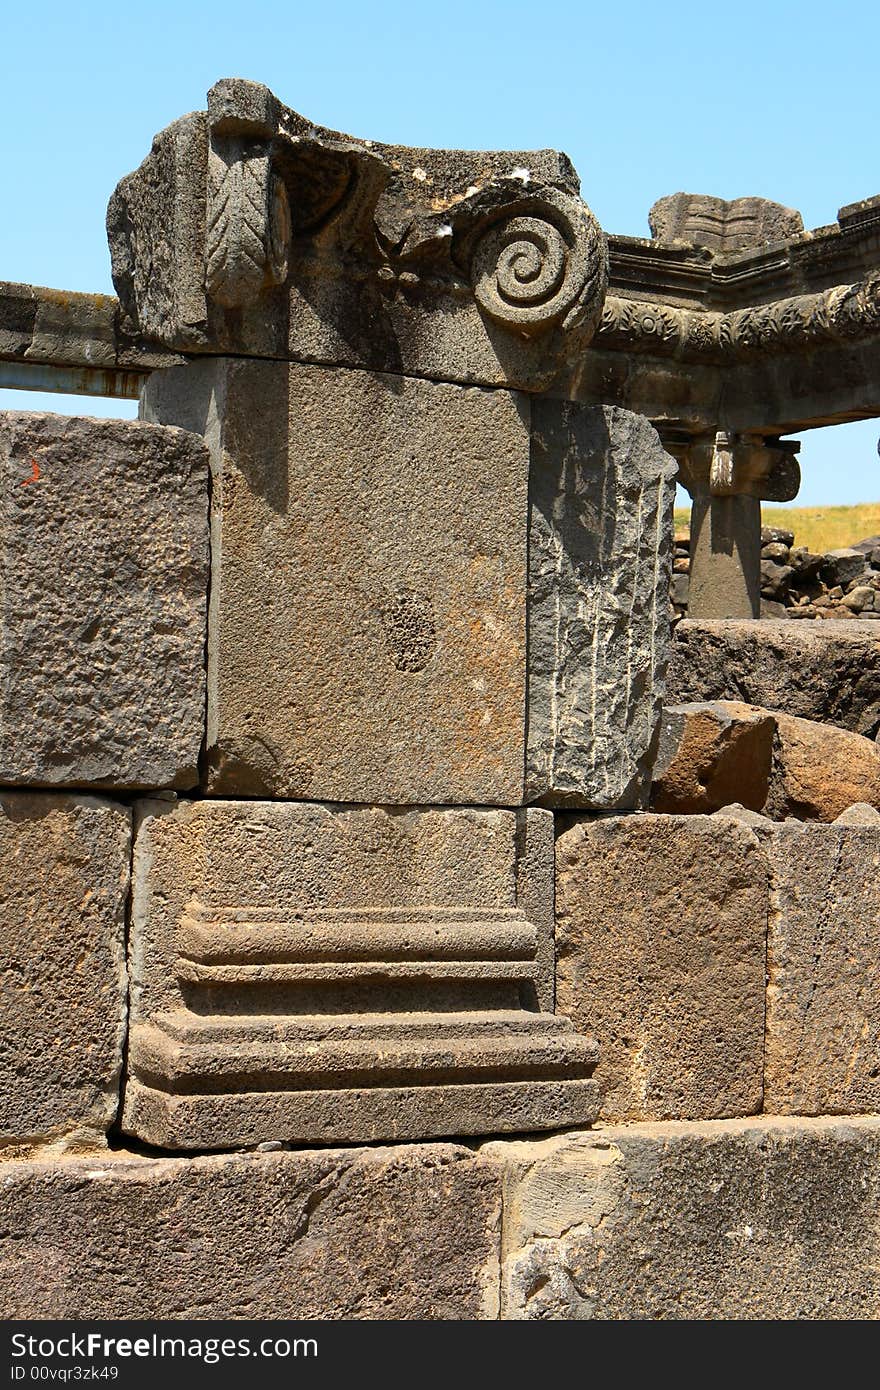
[{"x": 845, "y": 312}]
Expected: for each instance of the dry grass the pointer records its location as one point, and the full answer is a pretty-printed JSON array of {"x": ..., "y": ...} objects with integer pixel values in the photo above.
[{"x": 818, "y": 528}]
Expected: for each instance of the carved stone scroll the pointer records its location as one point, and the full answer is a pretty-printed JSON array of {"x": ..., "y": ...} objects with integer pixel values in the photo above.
[{"x": 250, "y": 231}]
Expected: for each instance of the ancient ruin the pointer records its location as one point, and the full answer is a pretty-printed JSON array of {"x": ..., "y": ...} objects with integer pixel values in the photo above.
[{"x": 365, "y": 789}]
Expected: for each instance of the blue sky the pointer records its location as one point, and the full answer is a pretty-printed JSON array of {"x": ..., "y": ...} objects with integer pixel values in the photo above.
[{"x": 774, "y": 99}]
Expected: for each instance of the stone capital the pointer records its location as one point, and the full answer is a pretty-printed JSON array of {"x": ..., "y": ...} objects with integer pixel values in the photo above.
[
  {"x": 733, "y": 465},
  {"x": 250, "y": 231}
]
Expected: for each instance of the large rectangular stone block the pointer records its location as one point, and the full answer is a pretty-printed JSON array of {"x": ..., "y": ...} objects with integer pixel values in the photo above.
[
  {"x": 661, "y": 939},
  {"x": 425, "y": 592},
  {"x": 359, "y": 1234},
  {"x": 733, "y": 1219},
  {"x": 103, "y": 591},
  {"x": 64, "y": 872},
  {"x": 828, "y": 671},
  {"x": 823, "y": 994},
  {"x": 321, "y": 973}
]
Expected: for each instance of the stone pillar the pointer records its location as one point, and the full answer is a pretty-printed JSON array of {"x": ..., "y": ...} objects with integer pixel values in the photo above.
[
  {"x": 727, "y": 478},
  {"x": 437, "y": 612}
]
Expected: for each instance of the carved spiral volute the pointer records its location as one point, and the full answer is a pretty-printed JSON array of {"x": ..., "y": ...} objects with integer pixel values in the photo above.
[{"x": 541, "y": 263}]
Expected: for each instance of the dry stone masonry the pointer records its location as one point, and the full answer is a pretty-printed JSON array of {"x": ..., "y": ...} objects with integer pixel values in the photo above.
[{"x": 358, "y": 796}]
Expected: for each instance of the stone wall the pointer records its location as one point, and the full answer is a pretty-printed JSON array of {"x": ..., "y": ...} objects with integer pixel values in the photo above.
[
  {"x": 378, "y": 937},
  {"x": 843, "y": 583}
]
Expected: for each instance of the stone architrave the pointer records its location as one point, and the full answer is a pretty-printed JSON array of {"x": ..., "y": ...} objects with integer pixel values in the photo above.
[
  {"x": 661, "y": 940},
  {"x": 64, "y": 878},
  {"x": 425, "y": 592},
  {"x": 341, "y": 974},
  {"x": 823, "y": 992},
  {"x": 103, "y": 593}
]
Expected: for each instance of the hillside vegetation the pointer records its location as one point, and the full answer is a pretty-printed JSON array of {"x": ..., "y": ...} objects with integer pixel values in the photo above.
[{"x": 818, "y": 528}]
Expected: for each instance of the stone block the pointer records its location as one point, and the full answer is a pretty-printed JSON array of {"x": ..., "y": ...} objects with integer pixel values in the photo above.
[
  {"x": 819, "y": 771},
  {"x": 355, "y": 1234},
  {"x": 712, "y": 754},
  {"x": 722, "y": 226},
  {"x": 828, "y": 671},
  {"x": 600, "y": 550},
  {"x": 64, "y": 872},
  {"x": 329, "y": 974},
  {"x": 823, "y": 995},
  {"x": 407, "y": 574},
  {"x": 661, "y": 936},
  {"x": 734, "y": 1219},
  {"x": 104, "y": 577}
]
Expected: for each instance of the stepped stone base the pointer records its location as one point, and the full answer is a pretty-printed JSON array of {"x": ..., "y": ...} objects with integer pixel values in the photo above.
[
  {"x": 323, "y": 974},
  {"x": 371, "y": 1115}
]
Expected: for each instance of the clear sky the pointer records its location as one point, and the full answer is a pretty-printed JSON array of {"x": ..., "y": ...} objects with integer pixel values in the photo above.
[{"x": 776, "y": 99}]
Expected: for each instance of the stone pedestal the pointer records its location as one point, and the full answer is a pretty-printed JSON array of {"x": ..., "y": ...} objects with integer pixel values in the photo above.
[{"x": 324, "y": 974}]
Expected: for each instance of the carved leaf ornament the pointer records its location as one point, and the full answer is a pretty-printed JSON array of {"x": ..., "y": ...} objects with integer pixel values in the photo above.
[{"x": 248, "y": 225}]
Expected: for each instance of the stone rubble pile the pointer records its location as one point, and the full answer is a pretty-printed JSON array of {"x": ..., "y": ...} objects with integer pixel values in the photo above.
[{"x": 795, "y": 583}]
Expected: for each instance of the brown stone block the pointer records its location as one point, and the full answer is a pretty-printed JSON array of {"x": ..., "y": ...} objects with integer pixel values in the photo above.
[
  {"x": 712, "y": 754},
  {"x": 819, "y": 771},
  {"x": 368, "y": 623},
  {"x": 823, "y": 996},
  {"x": 64, "y": 869},
  {"x": 103, "y": 578},
  {"x": 661, "y": 932},
  {"x": 734, "y": 1219},
  {"x": 357, "y": 1234}
]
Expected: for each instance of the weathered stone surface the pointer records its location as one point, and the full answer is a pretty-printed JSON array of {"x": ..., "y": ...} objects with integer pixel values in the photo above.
[
  {"x": 64, "y": 868},
  {"x": 250, "y": 230},
  {"x": 400, "y": 566},
  {"x": 104, "y": 554},
  {"x": 330, "y": 974},
  {"x": 736, "y": 811},
  {"x": 712, "y": 754},
  {"x": 359, "y": 1234},
  {"x": 368, "y": 623},
  {"x": 736, "y": 1219},
  {"x": 722, "y": 226},
  {"x": 827, "y": 671},
  {"x": 823, "y": 995},
  {"x": 600, "y": 543},
  {"x": 819, "y": 771},
  {"x": 661, "y": 931}
]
